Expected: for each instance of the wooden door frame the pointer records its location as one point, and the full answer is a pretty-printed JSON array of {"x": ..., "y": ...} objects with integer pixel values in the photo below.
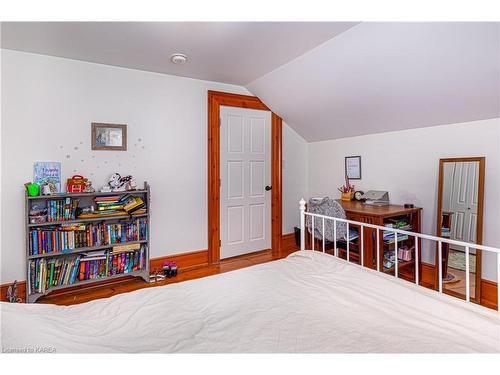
[
  {"x": 479, "y": 224},
  {"x": 216, "y": 99}
]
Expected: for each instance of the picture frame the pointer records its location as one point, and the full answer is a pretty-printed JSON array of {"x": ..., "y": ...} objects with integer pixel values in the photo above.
[
  {"x": 109, "y": 137},
  {"x": 353, "y": 167},
  {"x": 48, "y": 172}
]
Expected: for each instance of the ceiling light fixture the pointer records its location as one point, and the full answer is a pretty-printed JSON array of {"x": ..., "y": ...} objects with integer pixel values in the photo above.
[{"x": 178, "y": 58}]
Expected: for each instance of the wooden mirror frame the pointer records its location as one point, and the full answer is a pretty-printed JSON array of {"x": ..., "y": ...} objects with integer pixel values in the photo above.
[{"x": 479, "y": 224}]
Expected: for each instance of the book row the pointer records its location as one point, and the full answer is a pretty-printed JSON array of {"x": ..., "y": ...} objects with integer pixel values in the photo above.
[
  {"x": 51, "y": 272},
  {"x": 62, "y": 209},
  {"x": 113, "y": 204},
  {"x": 69, "y": 237}
]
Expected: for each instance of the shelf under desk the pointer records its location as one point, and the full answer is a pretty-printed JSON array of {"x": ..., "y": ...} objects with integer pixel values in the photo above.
[{"x": 379, "y": 215}]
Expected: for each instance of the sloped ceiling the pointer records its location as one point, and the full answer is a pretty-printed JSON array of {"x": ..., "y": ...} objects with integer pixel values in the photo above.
[
  {"x": 229, "y": 52},
  {"x": 379, "y": 77},
  {"x": 327, "y": 80}
]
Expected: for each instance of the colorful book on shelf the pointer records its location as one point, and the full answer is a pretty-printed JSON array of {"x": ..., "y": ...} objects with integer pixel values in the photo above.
[
  {"x": 124, "y": 248},
  {"x": 125, "y": 198},
  {"x": 62, "y": 209},
  {"x": 392, "y": 239},
  {"x": 107, "y": 198},
  {"x": 133, "y": 204},
  {"x": 110, "y": 264},
  {"x": 45, "y": 274},
  {"x": 110, "y": 207},
  {"x": 106, "y": 212},
  {"x": 108, "y": 203}
]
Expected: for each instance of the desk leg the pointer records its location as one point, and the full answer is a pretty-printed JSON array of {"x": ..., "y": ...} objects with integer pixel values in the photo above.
[{"x": 369, "y": 252}]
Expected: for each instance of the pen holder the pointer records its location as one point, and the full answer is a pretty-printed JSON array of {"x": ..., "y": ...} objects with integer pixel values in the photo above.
[{"x": 347, "y": 196}]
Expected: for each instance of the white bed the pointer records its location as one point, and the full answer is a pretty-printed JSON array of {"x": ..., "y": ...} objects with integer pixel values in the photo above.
[{"x": 308, "y": 302}]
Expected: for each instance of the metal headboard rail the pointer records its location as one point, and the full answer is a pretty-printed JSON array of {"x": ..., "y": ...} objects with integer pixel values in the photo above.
[{"x": 440, "y": 240}]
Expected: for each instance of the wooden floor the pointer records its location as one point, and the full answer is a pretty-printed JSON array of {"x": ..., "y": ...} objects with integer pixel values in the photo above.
[
  {"x": 128, "y": 285},
  {"x": 459, "y": 286}
]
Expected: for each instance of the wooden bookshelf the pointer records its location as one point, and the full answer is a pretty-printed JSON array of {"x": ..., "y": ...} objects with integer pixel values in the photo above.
[{"x": 117, "y": 218}]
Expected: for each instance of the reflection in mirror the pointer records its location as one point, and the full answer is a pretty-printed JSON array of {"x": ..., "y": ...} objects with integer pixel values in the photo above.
[{"x": 459, "y": 219}]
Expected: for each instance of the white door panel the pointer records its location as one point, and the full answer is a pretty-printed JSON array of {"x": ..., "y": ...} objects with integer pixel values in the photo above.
[
  {"x": 235, "y": 220},
  {"x": 464, "y": 201},
  {"x": 257, "y": 221},
  {"x": 235, "y": 179},
  {"x": 245, "y": 167},
  {"x": 257, "y": 178}
]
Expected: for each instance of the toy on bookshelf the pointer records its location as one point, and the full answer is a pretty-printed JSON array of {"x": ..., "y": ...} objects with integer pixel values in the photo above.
[
  {"x": 88, "y": 187},
  {"x": 119, "y": 183},
  {"x": 76, "y": 184},
  {"x": 48, "y": 188}
]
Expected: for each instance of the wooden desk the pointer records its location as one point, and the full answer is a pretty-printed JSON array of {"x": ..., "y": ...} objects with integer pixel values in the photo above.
[{"x": 380, "y": 215}]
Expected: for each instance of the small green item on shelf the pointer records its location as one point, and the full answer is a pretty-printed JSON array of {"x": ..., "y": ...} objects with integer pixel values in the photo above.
[{"x": 33, "y": 189}]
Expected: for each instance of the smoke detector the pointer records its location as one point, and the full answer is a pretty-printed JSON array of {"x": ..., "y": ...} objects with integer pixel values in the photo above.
[{"x": 178, "y": 58}]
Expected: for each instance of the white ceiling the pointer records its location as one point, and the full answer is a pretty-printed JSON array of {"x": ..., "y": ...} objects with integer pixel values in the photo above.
[
  {"x": 379, "y": 77},
  {"x": 229, "y": 52},
  {"x": 327, "y": 80}
]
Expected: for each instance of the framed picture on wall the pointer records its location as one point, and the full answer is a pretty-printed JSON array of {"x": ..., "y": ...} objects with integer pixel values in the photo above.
[
  {"x": 48, "y": 172},
  {"x": 353, "y": 167},
  {"x": 111, "y": 137}
]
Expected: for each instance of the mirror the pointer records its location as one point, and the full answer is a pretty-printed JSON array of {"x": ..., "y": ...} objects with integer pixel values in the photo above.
[{"x": 460, "y": 217}]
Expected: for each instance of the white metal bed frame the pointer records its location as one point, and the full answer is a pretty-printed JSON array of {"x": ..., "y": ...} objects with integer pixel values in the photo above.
[{"x": 378, "y": 228}]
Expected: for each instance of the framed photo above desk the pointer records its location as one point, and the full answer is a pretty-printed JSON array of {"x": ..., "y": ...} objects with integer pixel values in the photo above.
[{"x": 353, "y": 167}]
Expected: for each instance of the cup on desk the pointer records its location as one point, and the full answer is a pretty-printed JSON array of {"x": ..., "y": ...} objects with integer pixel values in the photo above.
[{"x": 347, "y": 196}]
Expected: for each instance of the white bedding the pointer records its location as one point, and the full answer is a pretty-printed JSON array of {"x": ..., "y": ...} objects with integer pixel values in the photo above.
[{"x": 308, "y": 302}]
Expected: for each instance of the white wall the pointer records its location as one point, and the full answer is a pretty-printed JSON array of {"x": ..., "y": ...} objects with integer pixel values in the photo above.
[
  {"x": 405, "y": 163},
  {"x": 48, "y": 104}
]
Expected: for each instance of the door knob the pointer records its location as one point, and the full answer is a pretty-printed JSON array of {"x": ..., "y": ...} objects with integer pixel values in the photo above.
[{"x": 268, "y": 188}]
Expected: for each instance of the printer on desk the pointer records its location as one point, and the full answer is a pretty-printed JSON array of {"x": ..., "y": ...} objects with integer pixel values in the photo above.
[{"x": 376, "y": 198}]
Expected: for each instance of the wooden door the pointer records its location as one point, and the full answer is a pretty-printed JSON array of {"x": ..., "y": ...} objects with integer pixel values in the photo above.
[{"x": 245, "y": 196}]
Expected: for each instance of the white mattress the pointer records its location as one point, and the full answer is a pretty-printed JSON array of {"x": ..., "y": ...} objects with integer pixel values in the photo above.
[{"x": 308, "y": 302}]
